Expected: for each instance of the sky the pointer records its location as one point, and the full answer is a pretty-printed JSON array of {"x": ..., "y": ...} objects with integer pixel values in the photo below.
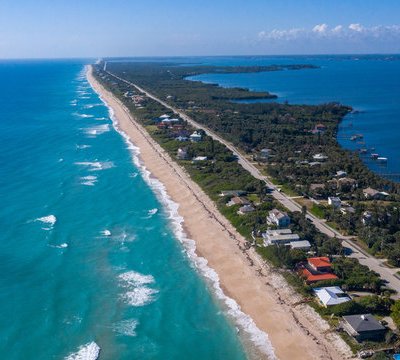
[{"x": 101, "y": 28}]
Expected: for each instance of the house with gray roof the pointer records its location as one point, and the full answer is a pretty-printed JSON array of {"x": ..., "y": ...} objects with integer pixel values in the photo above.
[{"x": 363, "y": 327}]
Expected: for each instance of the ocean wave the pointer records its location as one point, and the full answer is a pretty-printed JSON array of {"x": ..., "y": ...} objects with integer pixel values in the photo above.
[
  {"x": 90, "y": 106},
  {"x": 100, "y": 118},
  {"x": 257, "y": 336},
  {"x": 126, "y": 327},
  {"x": 105, "y": 232},
  {"x": 138, "y": 293},
  {"x": 83, "y": 115},
  {"x": 89, "y": 180},
  {"x": 150, "y": 213},
  {"x": 133, "y": 278},
  {"x": 96, "y": 165},
  {"x": 139, "y": 296},
  {"x": 74, "y": 102},
  {"x": 84, "y": 146},
  {"x": 50, "y": 220},
  {"x": 89, "y": 351},
  {"x": 97, "y": 130},
  {"x": 60, "y": 246}
]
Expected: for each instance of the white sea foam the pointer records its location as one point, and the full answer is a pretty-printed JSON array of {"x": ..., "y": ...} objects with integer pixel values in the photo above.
[
  {"x": 133, "y": 278},
  {"x": 106, "y": 232},
  {"x": 97, "y": 130},
  {"x": 84, "y": 146},
  {"x": 150, "y": 213},
  {"x": 90, "y": 106},
  {"x": 245, "y": 322},
  {"x": 74, "y": 102},
  {"x": 138, "y": 293},
  {"x": 96, "y": 165},
  {"x": 126, "y": 327},
  {"x": 101, "y": 118},
  {"x": 89, "y": 180},
  {"x": 83, "y": 115},
  {"x": 140, "y": 296},
  {"x": 60, "y": 246},
  {"x": 89, "y": 351},
  {"x": 49, "y": 220}
]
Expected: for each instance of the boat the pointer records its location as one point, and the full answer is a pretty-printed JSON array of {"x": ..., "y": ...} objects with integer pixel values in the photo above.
[
  {"x": 382, "y": 159},
  {"x": 374, "y": 156},
  {"x": 363, "y": 151}
]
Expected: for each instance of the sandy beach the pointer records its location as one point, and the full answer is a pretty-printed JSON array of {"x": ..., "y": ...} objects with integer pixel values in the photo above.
[{"x": 295, "y": 330}]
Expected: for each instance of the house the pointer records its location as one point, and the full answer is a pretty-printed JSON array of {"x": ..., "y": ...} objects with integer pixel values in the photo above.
[
  {"x": 320, "y": 157},
  {"x": 335, "y": 202},
  {"x": 182, "y": 154},
  {"x": 341, "y": 174},
  {"x": 321, "y": 264},
  {"x": 319, "y": 129},
  {"x": 199, "y": 158},
  {"x": 347, "y": 184},
  {"x": 366, "y": 217},
  {"x": 245, "y": 209},
  {"x": 278, "y": 218},
  {"x": 264, "y": 154},
  {"x": 195, "y": 137},
  {"x": 347, "y": 210},
  {"x": 331, "y": 295},
  {"x": 300, "y": 245},
  {"x": 162, "y": 117},
  {"x": 279, "y": 237},
  {"x": 363, "y": 327},
  {"x": 317, "y": 190},
  {"x": 182, "y": 138},
  {"x": 317, "y": 269},
  {"x": 373, "y": 194},
  {"x": 238, "y": 200}
]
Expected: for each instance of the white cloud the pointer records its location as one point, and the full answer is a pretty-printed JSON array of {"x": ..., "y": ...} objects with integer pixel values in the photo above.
[
  {"x": 353, "y": 32},
  {"x": 320, "y": 28},
  {"x": 337, "y": 29},
  {"x": 356, "y": 27}
]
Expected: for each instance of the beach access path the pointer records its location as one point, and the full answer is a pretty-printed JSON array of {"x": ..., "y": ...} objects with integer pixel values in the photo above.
[
  {"x": 378, "y": 265},
  {"x": 295, "y": 330}
]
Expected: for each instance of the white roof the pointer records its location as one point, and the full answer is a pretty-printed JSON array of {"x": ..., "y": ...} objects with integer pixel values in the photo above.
[
  {"x": 331, "y": 295},
  {"x": 302, "y": 244},
  {"x": 165, "y": 116},
  {"x": 200, "y": 158}
]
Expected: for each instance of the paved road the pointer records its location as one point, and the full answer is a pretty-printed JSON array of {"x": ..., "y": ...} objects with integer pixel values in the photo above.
[{"x": 388, "y": 274}]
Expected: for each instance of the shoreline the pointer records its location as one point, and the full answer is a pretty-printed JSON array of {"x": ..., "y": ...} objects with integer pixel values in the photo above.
[{"x": 296, "y": 332}]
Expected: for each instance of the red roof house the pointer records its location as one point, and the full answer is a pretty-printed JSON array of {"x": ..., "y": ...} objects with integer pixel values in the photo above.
[{"x": 317, "y": 269}]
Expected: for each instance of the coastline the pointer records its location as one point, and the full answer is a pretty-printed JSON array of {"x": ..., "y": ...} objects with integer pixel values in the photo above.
[{"x": 296, "y": 332}]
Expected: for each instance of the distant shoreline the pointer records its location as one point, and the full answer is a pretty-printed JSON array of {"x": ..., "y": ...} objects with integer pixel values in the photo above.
[{"x": 243, "y": 277}]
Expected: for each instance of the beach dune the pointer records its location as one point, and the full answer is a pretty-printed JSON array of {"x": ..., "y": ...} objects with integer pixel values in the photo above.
[{"x": 295, "y": 330}]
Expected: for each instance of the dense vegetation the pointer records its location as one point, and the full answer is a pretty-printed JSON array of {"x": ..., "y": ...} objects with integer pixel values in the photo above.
[{"x": 287, "y": 130}]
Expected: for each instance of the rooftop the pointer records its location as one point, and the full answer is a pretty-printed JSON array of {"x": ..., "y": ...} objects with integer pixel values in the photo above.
[
  {"x": 363, "y": 323},
  {"x": 317, "y": 262}
]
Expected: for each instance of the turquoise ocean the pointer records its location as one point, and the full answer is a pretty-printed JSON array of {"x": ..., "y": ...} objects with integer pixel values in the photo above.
[{"x": 93, "y": 259}]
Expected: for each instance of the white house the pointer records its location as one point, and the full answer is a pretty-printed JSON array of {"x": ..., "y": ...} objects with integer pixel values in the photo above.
[
  {"x": 195, "y": 137},
  {"x": 320, "y": 157},
  {"x": 279, "y": 237},
  {"x": 278, "y": 218},
  {"x": 182, "y": 154},
  {"x": 331, "y": 295},
  {"x": 245, "y": 209},
  {"x": 300, "y": 245},
  {"x": 334, "y": 201}
]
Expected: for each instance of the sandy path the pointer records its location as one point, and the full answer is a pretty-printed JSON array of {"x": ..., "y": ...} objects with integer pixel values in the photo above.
[{"x": 295, "y": 332}]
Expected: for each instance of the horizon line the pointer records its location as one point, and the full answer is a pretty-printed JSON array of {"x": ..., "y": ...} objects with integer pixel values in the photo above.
[{"x": 196, "y": 56}]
